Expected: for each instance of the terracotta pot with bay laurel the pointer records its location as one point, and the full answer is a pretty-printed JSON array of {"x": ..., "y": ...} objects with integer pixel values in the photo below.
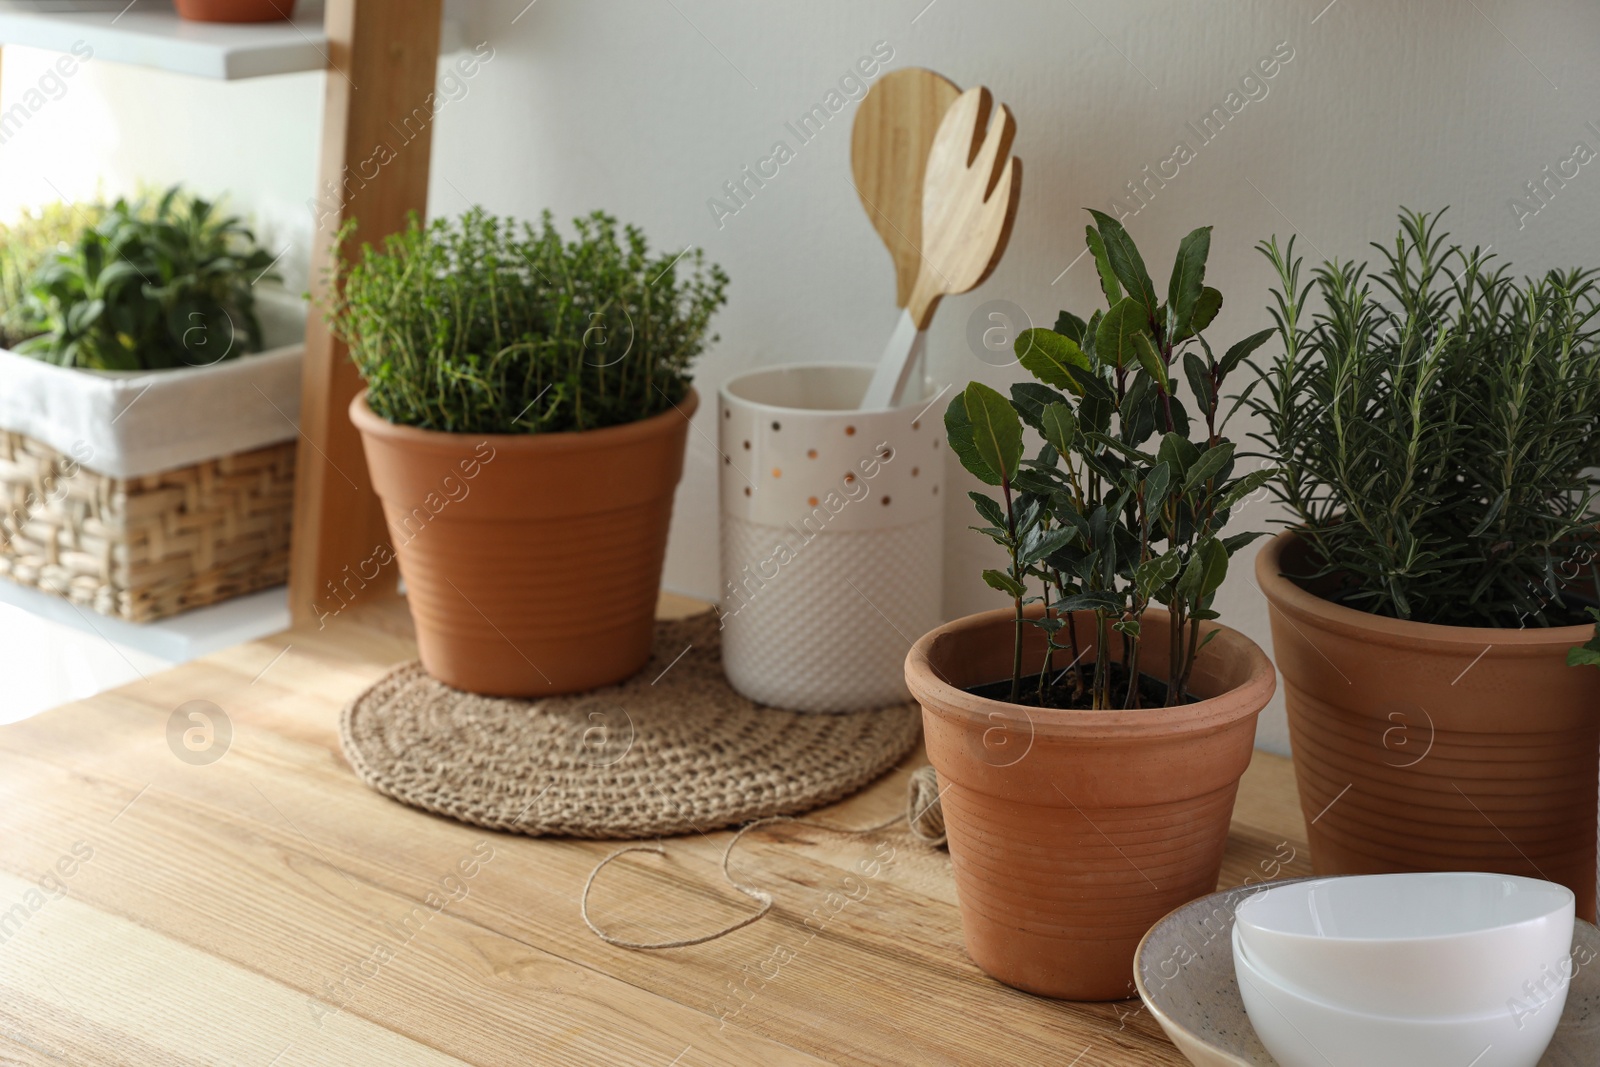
[
  {"x": 1073, "y": 832},
  {"x": 1090, "y": 743}
]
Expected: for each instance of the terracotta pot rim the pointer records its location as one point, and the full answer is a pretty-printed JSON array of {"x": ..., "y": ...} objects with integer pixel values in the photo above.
[
  {"x": 370, "y": 422},
  {"x": 1284, "y": 595},
  {"x": 942, "y": 698}
]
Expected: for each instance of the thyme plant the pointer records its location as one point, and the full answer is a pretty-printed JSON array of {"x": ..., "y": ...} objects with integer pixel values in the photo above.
[
  {"x": 484, "y": 325},
  {"x": 1438, "y": 426},
  {"x": 1125, "y": 503}
]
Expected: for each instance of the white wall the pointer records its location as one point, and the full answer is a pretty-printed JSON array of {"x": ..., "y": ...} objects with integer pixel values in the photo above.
[{"x": 646, "y": 107}]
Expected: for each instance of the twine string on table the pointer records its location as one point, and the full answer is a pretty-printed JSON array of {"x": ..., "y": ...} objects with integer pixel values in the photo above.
[{"x": 923, "y": 817}]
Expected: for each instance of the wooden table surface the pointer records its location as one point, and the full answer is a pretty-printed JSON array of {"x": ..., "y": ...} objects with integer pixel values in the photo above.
[{"x": 267, "y": 910}]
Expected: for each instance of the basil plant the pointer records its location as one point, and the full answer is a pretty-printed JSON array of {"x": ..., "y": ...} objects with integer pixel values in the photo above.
[{"x": 1125, "y": 503}]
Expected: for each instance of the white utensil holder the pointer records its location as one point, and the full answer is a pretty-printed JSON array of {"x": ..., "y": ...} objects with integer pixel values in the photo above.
[{"x": 832, "y": 537}]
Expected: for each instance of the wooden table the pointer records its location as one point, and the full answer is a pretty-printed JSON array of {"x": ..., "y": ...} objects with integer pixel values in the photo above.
[{"x": 267, "y": 909}]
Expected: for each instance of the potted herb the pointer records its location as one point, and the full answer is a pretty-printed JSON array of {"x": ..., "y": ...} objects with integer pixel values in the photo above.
[
  {"x": 1437, "y": 424},
  {"x": 148, "y": 440},
  {"x": 1090, "y": 741},
  {"x": 524, "y": 422}
]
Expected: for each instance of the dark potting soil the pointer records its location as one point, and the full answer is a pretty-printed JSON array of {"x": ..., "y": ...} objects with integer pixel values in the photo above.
[{"x": 1152, "y": 691}]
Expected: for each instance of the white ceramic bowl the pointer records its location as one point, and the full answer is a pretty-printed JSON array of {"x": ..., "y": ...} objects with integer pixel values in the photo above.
[
  {"x": 1415, "y": 944},
  {"x": 1301, "y": 1031}
]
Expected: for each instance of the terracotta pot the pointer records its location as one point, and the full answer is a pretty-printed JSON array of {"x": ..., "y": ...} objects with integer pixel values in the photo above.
[
  {"x": 1420, "y": 747},
  {"x": 1073, "y": 832},
  {"x": 235, "y": 10},
  {"x": 531, "y": 561}
]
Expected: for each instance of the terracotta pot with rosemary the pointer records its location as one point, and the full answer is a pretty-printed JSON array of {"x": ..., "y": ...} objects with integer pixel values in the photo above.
[
  {"x": 1089, "y": 737},
  {"x": 524, "y": 422},
  {"x": 1437, "y": 428}
]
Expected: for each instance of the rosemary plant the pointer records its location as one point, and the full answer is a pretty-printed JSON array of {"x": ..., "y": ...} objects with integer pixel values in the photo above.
[
  {"x": 1125, "y": 504},
  {"x": 1438, "y": 435},
  {"x": 484, "y": 325}
]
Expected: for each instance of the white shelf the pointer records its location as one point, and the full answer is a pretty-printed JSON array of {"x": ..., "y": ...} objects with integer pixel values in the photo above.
[
  {"x": 176, "y": 640},
  {"x": 158, "y": 38}
]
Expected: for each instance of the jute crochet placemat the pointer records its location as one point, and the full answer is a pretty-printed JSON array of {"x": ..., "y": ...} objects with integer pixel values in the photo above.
[{"x": 670, "y": 751}]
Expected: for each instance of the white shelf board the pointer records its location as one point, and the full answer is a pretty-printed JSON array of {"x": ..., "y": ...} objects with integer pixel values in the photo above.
[
  {"x": 159, "y": 39},
  {"x": 177, "y": 639}
]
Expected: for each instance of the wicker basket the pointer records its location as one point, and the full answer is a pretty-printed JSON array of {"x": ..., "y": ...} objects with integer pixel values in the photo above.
[{"x": 145, "y": 547}]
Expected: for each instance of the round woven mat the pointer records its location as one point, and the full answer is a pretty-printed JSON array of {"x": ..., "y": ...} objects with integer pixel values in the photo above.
[{"x": 672, "y": 750}]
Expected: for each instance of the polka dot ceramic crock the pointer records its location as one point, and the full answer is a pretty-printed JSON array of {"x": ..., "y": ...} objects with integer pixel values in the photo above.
[{"x": 832, "y": 537}]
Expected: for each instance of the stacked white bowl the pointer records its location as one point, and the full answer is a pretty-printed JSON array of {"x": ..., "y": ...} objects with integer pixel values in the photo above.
[{"x": 1406, "y": 970}]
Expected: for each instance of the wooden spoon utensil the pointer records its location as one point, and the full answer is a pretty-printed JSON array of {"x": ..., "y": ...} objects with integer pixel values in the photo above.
[
  {"x": 970, "y": 191},
  {"x": 889, "y": 144}
]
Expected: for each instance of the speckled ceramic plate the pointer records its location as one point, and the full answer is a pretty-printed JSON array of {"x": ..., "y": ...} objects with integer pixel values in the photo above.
[{"x": 1184, "y": 970}]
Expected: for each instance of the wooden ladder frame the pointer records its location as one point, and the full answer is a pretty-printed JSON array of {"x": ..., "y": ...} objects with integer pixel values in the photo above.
[{"x": 382, "y": 66}]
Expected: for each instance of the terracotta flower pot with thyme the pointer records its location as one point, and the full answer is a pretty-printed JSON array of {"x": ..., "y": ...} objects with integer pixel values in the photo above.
[
  {"x": 524, "y": 423},
  {"x": 1089, "y": 738},
  {"x": 1437, "y": 427}
]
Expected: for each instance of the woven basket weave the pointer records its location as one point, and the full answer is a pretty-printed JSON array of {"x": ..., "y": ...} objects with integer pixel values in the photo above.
[{"x": 147, "y": 547}]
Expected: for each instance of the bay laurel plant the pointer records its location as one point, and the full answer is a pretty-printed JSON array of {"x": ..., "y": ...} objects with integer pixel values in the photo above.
[
  {"x": 482, "y": 324},
  {"x": 1125, "y": 502},
  {"x": 1437, "y": 425}
]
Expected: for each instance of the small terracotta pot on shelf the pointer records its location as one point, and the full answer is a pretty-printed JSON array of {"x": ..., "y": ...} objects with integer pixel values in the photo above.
[
  {"x": 235, "y": 10},
  {"x": 1421, "y": 747},
  {"x": 1072, "y": 832},
  {"x": 531, "y": 561}
]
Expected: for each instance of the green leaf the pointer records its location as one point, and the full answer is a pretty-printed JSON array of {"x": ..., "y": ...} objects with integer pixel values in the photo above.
[
  {"x": 958, "y": 431},
  {"x": 1194, "y": 369},
  {"x": 1188, "y": 279},
  {"x": 1588, "y": 654},
  {"x": 1238, "y": 353},
  {"x": 1215, "y": 566},
  {"x": 1031, "y": 398},
  {"x": 1045, "y": 482},
  {"x": 1211, "y": 461},
  {"x": 1205, "y": 309},
  {"x": 1088, "y": 601},
  {"x": 1192, "y": 580},
  {"x": 1178, "y": 451},
  {"x": 1114, "y": 341},
  {"x": 1237, "y": 541},
  {"x": 996, "y": 429},
  {"x": 1071, "y": 327},
  {"x": 1108, "y": 277},
  {"x": 1047, "y": 544},
  {"x": 1156, "y": 484},
  {"x": 1154, "y": 574},
  {"x": 989, "y": 509},
  {"x": 1245, "y": 486},
  {"x": 1004, "y": 582},
  {"x": 1145, "y": 349},
  {"x": 1096, "y": 408},
  {"x": 1125, "y": 260},
  {"x": 1060, "y": 428},
  {"x": 1049, "y": 357}
]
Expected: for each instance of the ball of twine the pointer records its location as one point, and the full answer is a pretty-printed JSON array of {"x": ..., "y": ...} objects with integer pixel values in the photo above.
[{"x": 924, "y": 814}]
